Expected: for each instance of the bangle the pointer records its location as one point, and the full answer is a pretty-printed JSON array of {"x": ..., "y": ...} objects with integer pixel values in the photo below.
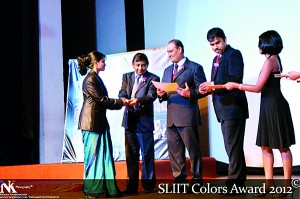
[{"x": 240, "y": 87}]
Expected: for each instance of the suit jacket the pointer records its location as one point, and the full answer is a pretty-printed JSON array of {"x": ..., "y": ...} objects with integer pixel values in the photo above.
[
  {"x": 229, "y": 104},
  {"x": 95, "y": 103},
  {"x": 183, "y": 111},
  {"x": 139, "y": 117}
]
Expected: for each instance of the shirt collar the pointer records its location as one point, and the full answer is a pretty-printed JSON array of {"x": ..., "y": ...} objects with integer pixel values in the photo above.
[
  {"x": 180, "y": 63},
  {"x": 136, "y": 75}
]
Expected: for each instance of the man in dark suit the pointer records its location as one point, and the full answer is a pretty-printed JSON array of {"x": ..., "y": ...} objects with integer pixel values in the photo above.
[
  {"x": 231, "y": 107},
  {"x": 138, "y": 121},
  {"x": 183, "y": 114}
]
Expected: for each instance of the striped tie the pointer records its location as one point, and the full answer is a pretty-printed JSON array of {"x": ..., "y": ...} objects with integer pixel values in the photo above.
[
  {"x": 135, "y": 86},
  {"x": 175, "y": 72}
]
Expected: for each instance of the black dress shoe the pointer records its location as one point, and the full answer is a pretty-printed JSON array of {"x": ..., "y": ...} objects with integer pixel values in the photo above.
[
  {"x": 129, "y": 192},
  {"x": 190, "y": 190},
  {"x": 149, "y": 191},
  {"x": 115, "y": 195},
  {"x": 233, "y": 193},
  {"x": 234, "y": 188},
  {"x": 195, "y": 184}
]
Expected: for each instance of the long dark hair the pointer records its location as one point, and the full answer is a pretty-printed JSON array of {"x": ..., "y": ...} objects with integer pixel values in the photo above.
[{"x": 87, "y": 61}]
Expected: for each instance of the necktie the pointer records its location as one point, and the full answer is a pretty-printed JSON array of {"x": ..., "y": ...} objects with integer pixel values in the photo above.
[
  {"x": 216, "y": 65},
  {"x": 135, "y": 86},
  {"x": 175, "y": 71}
]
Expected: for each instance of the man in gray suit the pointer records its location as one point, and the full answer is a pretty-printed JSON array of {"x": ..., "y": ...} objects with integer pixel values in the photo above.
[
  {"x": 138, "y": 122},
  {"x": 183, "y": 114}
]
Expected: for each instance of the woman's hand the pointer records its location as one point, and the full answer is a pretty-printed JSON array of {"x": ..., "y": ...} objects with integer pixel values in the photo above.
[{"x": 231, "y": 85}]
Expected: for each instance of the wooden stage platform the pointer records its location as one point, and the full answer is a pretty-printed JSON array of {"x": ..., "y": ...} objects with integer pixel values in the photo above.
[
  {"x": 65, "y": 180},
  {"x": 75, "y": 170}
]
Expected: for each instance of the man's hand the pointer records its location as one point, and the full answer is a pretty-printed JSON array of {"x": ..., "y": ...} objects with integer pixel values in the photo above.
[
  {"x": 133, "y": 102},
  {"x": 203, "y": 88},
  {"x": 125, "y": 101},
  {"x": 160, "y": 93},
  {"x": 184, "y": 92}
]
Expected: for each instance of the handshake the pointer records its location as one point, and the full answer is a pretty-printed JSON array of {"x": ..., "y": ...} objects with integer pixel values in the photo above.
[{"x": 130, "y": 102}]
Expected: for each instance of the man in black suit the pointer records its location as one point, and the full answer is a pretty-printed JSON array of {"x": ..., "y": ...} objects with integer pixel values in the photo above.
[
  {"x": 138, "y": 122},
  {"x": 183, "y": 114},
  {"x": 231, "y": 107}
]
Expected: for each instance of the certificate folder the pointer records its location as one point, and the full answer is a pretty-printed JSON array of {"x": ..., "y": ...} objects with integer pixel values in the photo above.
[
  {"x": 165, "y": 86},
  {"x": 215, "y": 86},
  {"x": 280, "y": 75}
]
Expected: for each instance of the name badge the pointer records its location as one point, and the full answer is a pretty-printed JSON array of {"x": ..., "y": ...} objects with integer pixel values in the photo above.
[{"x": 216, "y": 65}]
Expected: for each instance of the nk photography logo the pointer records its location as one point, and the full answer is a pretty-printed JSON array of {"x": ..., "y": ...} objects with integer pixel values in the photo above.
[
  {"x": 7, "y": 187},
  {"x": 27, "y": 189},
  {"x": 8, "y": 190}
]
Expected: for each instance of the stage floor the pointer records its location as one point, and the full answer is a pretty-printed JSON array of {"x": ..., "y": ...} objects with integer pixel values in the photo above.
[
  {"x": 73, "y": 189},
  {"x": 75, "y": 170},
  {"x": 64, "y": 180}
]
